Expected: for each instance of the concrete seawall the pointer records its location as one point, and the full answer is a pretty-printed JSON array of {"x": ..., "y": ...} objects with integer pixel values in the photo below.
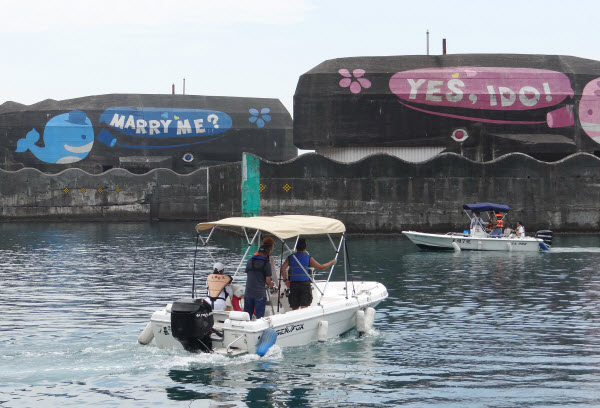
[
  {"x": 378, "y": 194},
  {"x": 384, "y": 194},
  {"x": 117, "y": 194}
]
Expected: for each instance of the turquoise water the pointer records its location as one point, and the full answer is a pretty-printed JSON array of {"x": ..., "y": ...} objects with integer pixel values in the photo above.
[{"x": 468, "y": 329}]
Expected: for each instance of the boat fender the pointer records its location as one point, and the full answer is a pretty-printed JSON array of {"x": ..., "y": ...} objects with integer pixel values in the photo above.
[
  {"x": 238, "y": 295},
  {"x": 544, "y": 247},
  {"x": 239, "y": 315},
  {"x": 456, "y": 247},
  {"x": 147, "y": 334},
  {"x": 360, "y": 321},
  {"x": 267, "y": 339},
  {"x": 369, "y": 318},
  {"x": 322, "y": 330},
  {"x": 509, "y": 246}
]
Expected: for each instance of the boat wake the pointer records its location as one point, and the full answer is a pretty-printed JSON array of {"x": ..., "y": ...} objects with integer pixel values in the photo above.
[{"x": 592, "y": 250}]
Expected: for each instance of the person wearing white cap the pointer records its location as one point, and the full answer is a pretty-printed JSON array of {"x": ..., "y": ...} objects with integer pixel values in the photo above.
[{"x": 219, "y": 287}]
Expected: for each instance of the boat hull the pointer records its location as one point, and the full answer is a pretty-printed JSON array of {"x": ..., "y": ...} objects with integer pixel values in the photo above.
[
  {"x": 293, "y": 328},
  {"x": 451, "y": 241}
]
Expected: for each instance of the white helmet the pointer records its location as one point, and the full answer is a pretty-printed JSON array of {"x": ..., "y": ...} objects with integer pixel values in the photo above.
[{"x": 218, "y": 267}]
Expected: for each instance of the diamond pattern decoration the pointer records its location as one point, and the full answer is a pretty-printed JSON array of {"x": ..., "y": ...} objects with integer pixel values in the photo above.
[
  {"x": 261, "y": 187},
  {"x": 66, "y": 190},
  {"x": 83, "y": 190},
  {"x": 100, "y": 190},
  {"x": 118, "y": 190},
  {"x": 287, "y": 187}
]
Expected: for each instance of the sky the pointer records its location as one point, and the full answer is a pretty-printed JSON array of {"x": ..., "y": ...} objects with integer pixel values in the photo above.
[{"x": 62, "y": 49}]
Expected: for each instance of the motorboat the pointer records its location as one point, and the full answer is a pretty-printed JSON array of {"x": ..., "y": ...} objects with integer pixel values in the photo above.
[
  {"x": 481, "y": 236},
  {"x": 338, "y": 306}
]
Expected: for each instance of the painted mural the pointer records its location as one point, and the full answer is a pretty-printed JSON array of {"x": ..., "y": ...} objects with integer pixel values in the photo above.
[
  {"x": 68, "y": 138},
  {"x": 106, "y": 135},
  {"x": 451, "y": 101},
  {"x": 200, "y": 126}
]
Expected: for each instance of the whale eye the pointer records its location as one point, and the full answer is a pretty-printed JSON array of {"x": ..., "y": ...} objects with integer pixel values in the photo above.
[{"x": 83, "y": 137}]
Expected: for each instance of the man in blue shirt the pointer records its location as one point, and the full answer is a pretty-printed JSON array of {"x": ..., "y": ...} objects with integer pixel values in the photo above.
[
  {"x": 258, "y": 274},
  {"x": 297, "y": 278}
]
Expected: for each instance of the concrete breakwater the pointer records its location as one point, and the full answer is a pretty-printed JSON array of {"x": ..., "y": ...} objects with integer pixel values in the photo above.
[{"x": 377, "y": 194}]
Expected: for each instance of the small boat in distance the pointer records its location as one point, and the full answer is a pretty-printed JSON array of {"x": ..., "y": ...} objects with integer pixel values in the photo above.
[
  {"x": 337, "y": 306},
  {"x": 481, "y": 236}
]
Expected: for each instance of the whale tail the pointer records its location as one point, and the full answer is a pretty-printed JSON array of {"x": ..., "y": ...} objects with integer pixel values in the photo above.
[{"x": 30, "y": 138}]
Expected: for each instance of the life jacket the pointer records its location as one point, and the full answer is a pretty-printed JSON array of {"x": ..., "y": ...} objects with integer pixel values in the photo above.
[
  {"x": 297, "y": 272},
  {"x": 216, "y": 282},
  {"x": 499, "y": 222},
  {"x": 259, "y": 262}
]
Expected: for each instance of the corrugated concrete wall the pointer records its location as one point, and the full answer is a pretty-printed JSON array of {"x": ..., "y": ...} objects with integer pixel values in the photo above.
[
  {"x": 384, "y": 194},
  {"x": 378, "y": 194},
  {"x": 120, "y": 195}
]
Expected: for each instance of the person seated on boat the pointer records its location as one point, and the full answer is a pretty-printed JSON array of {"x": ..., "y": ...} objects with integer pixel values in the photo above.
[
  {"x": 219, "y": 287},
  {"x": 520, "y": 229},
  {"x": 498, "y": 224},
  {"x": 258, "y": 271},
  {"x": 297, "y": 277}
]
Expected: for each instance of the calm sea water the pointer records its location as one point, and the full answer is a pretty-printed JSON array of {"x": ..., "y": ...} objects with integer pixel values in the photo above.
[{"x": 469, "y": 329}]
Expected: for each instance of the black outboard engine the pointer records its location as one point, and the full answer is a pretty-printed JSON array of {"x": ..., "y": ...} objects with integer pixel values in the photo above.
[
  {"x": 546, "y": 236},
  {"x": 192, "y": 323}
]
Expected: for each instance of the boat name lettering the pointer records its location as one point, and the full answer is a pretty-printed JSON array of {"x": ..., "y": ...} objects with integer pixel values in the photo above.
[
  {"x": 291, "y": 328},
  {"x": 203, "y": 314},
  {"x": 518, "y": 243},
  {"x": 461, "y": 240}
]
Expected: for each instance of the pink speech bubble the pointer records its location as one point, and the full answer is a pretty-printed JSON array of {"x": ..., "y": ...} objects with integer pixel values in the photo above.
[{"x": 485, "y": 88}]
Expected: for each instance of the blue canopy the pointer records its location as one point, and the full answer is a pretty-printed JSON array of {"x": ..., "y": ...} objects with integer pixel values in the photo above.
[{"x": 482, "y": 207}]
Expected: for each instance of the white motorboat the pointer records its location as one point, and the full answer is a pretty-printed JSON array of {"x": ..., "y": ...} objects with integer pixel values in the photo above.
[
  {"x": 337, "y": 307},
  {"x": 479, "y": 239}
]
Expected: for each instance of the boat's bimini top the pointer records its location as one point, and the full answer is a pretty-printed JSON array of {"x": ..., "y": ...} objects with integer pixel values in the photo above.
[
  {"x": 483, "y": 207},
  {"x": 281, "y": 226}
]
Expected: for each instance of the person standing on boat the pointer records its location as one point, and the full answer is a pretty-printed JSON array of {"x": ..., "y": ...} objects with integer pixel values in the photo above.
[
  {"x": 520, "y": 229},
  {"x": 476, "y": 220},
  {"x": 298, "y": 279},
  {"x": 269, "y": 244},
  {"x": 258, "y": 271},
  {"x": 498, "y": 225},
  {"x": 219, "y": 287}
]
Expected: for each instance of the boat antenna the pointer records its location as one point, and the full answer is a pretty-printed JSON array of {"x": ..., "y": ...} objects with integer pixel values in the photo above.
[{"x": 194, "y": 270}]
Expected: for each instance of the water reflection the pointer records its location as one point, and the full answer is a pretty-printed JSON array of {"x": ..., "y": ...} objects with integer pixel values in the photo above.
[{"x": 459, "y": 329}]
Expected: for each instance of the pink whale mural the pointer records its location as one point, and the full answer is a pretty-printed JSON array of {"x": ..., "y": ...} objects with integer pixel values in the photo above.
[
  {"x": 486, "y": 89},
  {"x": 589, "y": 110}
]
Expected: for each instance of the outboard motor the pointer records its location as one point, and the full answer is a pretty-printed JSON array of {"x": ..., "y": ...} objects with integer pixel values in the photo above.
[
  {"x": 192, "y": 323},
  {"x": 546, "y": 236}
]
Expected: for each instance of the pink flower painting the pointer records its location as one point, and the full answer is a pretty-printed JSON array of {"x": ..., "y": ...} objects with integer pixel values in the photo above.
[{"x": 355, "y": 80}]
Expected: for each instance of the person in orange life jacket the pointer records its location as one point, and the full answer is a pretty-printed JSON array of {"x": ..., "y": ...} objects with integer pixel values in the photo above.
[
  {"x": 498, "y": 225},
  {"x": 258, "y": 271},
  {"x": 219, "y": 287},
  {"x": 298, "y": 280}
]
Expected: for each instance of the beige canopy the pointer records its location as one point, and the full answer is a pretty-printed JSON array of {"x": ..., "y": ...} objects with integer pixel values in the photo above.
[{"x": 281, "y": 226}]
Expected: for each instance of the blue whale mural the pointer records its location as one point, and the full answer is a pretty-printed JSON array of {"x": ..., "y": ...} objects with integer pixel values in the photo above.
[{"x": 68, "y": 138}]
